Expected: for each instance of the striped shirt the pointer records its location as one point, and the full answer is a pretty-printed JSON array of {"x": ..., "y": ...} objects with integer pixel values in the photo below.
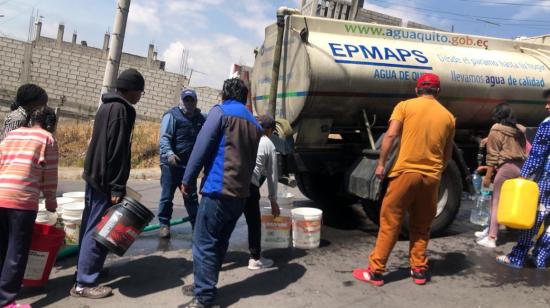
[
  {"x": 28, "y": 166},
  {"x": 15, "y": 119}
]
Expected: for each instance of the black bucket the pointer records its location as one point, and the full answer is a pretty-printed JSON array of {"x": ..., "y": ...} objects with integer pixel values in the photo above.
[{"x": 122, "y": 224}]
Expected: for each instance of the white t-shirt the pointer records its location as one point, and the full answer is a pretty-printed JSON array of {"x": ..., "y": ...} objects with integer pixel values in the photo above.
[{"x": 266, "y": 165}]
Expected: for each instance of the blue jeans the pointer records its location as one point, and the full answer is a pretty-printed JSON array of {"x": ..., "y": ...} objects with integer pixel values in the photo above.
[
  {"x": 92, "y": 254},
  {"x": 216, "y": 221},
  {"x": 170, "y": 180},
  {"x": 16, "y": 228}
]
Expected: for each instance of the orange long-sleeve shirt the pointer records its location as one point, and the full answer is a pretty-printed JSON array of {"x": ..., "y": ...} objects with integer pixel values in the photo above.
[{"x": 28, "y": 166}]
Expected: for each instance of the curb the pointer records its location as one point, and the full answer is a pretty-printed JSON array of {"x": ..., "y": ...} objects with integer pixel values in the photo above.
[{"x": 67, "y": 173}]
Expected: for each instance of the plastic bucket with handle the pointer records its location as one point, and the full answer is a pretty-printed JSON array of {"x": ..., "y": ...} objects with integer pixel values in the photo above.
[
  {"x": 72, "y": 219},
  {"x": 46, "y": 241},
  {"x": 275, "y": 230},
  {"x": 122, "y": 224},
  {"x": 306, "y": 227}
]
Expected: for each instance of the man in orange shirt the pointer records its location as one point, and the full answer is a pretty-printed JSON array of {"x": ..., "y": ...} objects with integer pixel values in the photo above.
[{"x": 426, "y": 132}]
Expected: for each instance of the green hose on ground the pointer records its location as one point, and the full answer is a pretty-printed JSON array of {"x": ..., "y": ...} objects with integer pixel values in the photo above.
[{"x": 70, "y": 250}]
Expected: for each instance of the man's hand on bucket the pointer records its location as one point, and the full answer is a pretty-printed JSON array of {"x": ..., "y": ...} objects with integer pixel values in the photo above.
[
  {"x": 275, "y": 211},
  {"x": 115, "y": 199}
]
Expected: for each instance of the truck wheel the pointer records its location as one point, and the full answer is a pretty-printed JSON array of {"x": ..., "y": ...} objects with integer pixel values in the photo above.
[
  {"x": 323, "y": 189},
  {"x": 448, "y": 203}
]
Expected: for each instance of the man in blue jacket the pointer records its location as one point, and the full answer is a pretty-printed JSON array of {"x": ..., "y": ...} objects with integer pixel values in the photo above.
[
  {"x": 226, "y": 147},
  {"x": 178, "y": 132}
]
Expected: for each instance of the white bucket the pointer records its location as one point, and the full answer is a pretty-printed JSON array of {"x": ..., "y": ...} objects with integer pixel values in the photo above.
[
  {"x": 45, "y": 217},
  {"x": 306, "y": 227},
  {"x": 72, "y": 231},
  {"x": 275, "y": 230},
  {"x": 65, "y": 200},
  {"x": 77, "y": 195},
  {"x": 60, "y": 202},
  {"x": 74, "y": 209},
  {"x": 72, "y": 218}
]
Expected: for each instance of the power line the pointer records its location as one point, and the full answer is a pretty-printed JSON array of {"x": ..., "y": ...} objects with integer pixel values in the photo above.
[
  {"x": 508, "y": 3},
  {"x": 18, "y": 13},
  {"x": 477, "y": 20},
  {"x": 464, "y": 15}
]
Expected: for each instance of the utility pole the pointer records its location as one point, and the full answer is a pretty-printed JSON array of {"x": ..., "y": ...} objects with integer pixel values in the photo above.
[{"x": 115, "y": 52}]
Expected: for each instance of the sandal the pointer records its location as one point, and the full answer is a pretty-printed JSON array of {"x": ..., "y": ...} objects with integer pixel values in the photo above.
[{"x": 504, "y": 260}]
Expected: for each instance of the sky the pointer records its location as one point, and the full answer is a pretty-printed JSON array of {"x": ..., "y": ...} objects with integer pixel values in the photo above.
[{"x": 218, "y": 33}]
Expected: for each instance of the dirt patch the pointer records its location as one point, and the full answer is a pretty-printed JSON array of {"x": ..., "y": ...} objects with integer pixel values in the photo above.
[{"x": 73, "y": 138}]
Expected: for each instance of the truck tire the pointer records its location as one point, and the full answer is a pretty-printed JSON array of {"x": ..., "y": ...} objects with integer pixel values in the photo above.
[
  {"x": 450, "y": 193},
  {"x": 325, "y": 190}
]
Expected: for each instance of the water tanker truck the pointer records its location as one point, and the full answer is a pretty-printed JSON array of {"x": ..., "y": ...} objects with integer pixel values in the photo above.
[{"x": 336, "y": 82}]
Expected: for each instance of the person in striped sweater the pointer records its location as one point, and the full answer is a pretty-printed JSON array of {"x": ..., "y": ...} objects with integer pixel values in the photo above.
[
  {"x": 29, "y": 97},
  {"x": 28, "y": 166}
]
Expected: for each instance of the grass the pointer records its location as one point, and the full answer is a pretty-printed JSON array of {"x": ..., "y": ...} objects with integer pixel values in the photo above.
[{"x": 72, "y": 138}]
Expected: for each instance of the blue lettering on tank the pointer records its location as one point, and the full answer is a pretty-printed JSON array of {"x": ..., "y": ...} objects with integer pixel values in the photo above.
[
  {"x": 334, "y": 47},
  {"x": 379, "y": 56}
]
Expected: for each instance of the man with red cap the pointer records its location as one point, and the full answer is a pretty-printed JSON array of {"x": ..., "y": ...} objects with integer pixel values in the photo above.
[{"x": 426, "y": 132}]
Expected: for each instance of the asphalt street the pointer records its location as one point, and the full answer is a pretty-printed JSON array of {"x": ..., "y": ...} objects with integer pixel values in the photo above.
[{"x": 153, "y": 271}]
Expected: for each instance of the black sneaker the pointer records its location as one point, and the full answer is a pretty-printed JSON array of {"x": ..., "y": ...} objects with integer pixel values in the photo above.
[{"x": 419, "y": 276}]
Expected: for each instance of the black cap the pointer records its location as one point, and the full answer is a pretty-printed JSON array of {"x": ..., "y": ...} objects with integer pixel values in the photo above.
[
  {"x": 267, "y": 121},
  {"x": 130, "y": 80}
]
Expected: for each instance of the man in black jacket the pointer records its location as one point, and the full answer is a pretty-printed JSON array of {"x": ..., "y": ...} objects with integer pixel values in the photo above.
[{"x": 106, "y": 170}]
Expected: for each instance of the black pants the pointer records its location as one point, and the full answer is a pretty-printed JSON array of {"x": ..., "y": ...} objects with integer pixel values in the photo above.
[
  {"x": 253, "y": 220},
  {"x": 15, "y": 241}
]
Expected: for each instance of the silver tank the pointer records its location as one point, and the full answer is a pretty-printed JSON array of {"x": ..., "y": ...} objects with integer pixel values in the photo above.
[{"x": 344, "y": 67}]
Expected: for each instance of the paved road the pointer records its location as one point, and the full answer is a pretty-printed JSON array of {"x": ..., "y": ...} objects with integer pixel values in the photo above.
[{"x": 153, "y": 271}]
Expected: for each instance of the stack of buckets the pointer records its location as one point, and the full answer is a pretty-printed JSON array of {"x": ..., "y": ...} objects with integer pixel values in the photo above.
[
  {"x": 303, "y": 223},
  {"x": 71, "y": 215}
]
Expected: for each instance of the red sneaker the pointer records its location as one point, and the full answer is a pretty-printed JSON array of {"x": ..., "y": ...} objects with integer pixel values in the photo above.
[
  {"x": 419, "y": 276},
  {"x": 367, "y": 275}
]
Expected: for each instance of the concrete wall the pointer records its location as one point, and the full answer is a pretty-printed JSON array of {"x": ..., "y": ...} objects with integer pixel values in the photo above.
[
  {"x": 319, "y": 8},
  {"x": 375, "y": 17},
  {"x": 11, "y": 64},
  {"x": 412, "y": 24},
  {"x": 72, "y": 75},
  {"x": 207, "y": 97}
]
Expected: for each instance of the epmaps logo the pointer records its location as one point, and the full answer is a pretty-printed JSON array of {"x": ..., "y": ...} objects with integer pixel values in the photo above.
[{"x": 379, "y": 56}]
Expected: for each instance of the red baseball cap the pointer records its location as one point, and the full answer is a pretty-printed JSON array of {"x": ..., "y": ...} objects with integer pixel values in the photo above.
[{"x": 428, "y": 81}]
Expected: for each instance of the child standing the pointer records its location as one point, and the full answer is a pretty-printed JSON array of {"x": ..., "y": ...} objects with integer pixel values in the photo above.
[
  {"x": 266, "y": 166},
  {"x": 28, "y": 166}
]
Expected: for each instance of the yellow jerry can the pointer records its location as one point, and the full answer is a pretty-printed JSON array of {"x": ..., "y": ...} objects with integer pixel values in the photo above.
[{"x": 518, "y": 203}]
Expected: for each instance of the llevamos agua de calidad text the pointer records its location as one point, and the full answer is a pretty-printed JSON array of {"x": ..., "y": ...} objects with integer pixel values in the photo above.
[{"x": 494, "y": 80}]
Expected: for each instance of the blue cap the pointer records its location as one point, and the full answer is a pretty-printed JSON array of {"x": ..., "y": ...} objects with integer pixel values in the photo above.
[{"x": 188, "y": 93}]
